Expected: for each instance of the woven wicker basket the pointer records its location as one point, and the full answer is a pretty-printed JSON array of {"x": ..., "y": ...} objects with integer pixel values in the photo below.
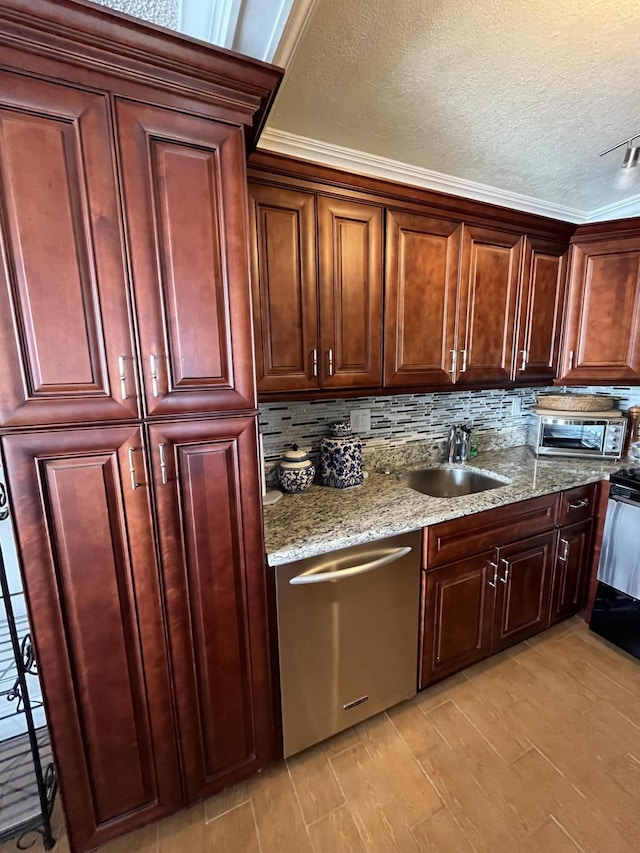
[{"x": 575, "y": 402}]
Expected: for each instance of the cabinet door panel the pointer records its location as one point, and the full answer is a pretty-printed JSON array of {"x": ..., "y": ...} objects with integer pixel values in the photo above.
[
  {"x": 64, "y": 320},
  {"x": 184, "y": 200},
  {"x": 91, "y": 582},
  {"x": 209, "y": 516},
  {"x": 540, "y": 316},
  {"x": 569, "y": 576},
  {"x": 489, "y": 284},
  {"x": 456, "y": 617},
  {"x": 523, "y": 589},
  {"x": 284, "y": 281},
  {"x": 350, "y": 241},
  {"x": 603, "y": 317},
  {"x": 420, "y": 299}
]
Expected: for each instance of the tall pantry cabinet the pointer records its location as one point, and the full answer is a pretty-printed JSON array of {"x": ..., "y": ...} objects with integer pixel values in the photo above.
[{"x": 127, "y": 405}]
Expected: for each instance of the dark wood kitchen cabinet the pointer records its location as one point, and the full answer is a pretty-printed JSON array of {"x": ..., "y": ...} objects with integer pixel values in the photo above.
[
  {"x": 572, "y": 560},
  {"x": 542, "y": 289},
  {"x": 124, "y": 299},
  {"x": 421, "y": 290},
  {"x": 489, "y": 276},
  {"x": 484, "y": 603},
  {"x": 459, "y": 602},
  {"x": 210, "y": 538},
  {"x": 66, "y": 343},
  {"x": 317, "y": 290},
  {"x": 184, "y": 209},
  {"x": 285, "y": 289},
  {"x": 523, "y": 589},
  {"x": 81, "y": 505},
  {"x": 602, "y": 337},
  {"x": 495, "y": 578}
]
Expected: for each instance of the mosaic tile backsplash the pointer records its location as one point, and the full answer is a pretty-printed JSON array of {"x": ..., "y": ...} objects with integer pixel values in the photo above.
[{"x": 415, "y": 425}]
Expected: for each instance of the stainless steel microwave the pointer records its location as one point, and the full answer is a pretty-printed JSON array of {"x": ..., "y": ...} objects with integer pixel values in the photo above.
[{"x": 600, "y": 435}]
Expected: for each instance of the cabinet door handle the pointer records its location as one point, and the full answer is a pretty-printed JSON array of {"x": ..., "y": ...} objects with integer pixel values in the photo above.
[
  {"x": 132, "y": 469},
  {"x": 579, "y": 504},
  {"x": 525, "y": 356},
  {"x": 123, "y": 378},
  {"x": 565, "y": 551},
  {"x": 163, "y": 465},
  {"x": 330, "y": 356},
  {"x": 463, "y": 368},
  {"x": 494, "y": 566},
  {"x": 314, "y": 362},
  {"x": 454, "y": 361},
  {"x": 153, "y": 367},
  {"x": 571, "y": 354},
  {"x": 4, "y": 508},
  {"x": 505, "y": 576}
]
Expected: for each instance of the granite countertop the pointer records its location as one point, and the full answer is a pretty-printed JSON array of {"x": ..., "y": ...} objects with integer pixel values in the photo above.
[{"x": 324, "y": 519}]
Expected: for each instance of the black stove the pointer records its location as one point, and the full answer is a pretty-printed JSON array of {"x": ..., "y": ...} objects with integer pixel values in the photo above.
[{"x": 627, "y": 477}]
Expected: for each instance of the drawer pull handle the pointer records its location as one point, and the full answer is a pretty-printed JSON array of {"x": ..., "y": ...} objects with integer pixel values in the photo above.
[
  {"x": 505, "y": 576},
  {"x": 463, "y": 368},
  {"x": 571, "y": 356},
  {"x": 314, "y": 360},
  {"x": 454, "y": 361},
  {"x": 579, "y": 504},
  {"x": 493, "y": 583}
]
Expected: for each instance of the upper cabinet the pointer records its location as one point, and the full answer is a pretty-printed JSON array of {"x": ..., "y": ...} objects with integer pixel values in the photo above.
[
  {"x": 381, "y": 287},
  {"x": 317, "y": 299},
  {"x": 350, "y": 255},
  {"x": 421, "y": 289},
  {"x": 489, "y": 278},
  {"x": 602, "y": 339},
  {"x": 66, "y": 320},
  {"x": 542, "y": 287},
  {"x": 285, "y": 292},
  {"x": 66, "y": 347},
  {"x": 183, "y": 188}
]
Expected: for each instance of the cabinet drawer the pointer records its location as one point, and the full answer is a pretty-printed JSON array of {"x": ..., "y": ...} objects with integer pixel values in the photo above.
[
  {"x": 577, "y": 504},
  {"x": 462, "y": 537}
]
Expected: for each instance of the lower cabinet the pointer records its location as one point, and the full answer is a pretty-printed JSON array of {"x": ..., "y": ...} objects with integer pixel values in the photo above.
[
  {"x": 493, "y": 599},
  {"x": 485, "y": 603},
  {"x": 522, "y": 589},
  {"x": 570, "y": 574},
  {"x": 101, "y": 597},
  {"x": 458, "y": 605}
]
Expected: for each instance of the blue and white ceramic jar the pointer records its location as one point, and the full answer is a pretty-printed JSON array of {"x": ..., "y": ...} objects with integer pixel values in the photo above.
[
  {"x": 341, "y": 457},
  {"x": 296, "y": 471}
]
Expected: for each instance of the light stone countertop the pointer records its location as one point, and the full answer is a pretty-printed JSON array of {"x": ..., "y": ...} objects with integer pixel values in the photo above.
[{"x": 324, "y": 519}]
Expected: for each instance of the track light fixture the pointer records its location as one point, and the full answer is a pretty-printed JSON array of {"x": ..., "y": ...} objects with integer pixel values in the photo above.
[{"x": 631, "y": 154}]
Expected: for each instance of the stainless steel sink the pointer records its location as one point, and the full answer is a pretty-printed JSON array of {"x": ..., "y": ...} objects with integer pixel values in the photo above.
[{"x": 449, "y": 482}]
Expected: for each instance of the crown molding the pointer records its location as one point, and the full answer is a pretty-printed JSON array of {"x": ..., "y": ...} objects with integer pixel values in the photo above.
[
  {"x": 618, "y": 210},
  {"x": 293, "y": 145}
]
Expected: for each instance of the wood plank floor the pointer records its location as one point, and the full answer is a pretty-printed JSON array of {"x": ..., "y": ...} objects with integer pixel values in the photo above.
[{"x": 535, "y": 750}]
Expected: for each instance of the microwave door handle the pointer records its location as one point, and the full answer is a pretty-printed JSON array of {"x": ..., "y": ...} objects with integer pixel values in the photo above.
[{"x": 318, "y": 575}]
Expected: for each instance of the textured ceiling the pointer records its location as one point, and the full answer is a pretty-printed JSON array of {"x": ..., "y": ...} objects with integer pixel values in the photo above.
[{"x": 515, "y": 94}]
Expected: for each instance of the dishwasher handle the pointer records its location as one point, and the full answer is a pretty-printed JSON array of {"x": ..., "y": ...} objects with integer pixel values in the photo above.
[{"x": 319, "y": 575}]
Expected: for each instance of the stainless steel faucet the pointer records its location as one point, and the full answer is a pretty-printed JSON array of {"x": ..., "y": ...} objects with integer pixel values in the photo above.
[{"x": 458, "y": 444}]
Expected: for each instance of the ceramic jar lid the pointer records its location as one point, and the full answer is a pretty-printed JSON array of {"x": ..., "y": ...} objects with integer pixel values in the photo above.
[
  {"x": 340, "y": 429},
  {"x": 295, "y": 458}
]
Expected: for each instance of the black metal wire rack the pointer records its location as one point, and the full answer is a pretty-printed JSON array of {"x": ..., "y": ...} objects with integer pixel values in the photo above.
[{"x": 27, "y": 773}]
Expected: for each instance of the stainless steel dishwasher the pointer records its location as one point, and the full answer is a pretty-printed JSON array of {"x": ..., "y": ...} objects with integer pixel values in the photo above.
[{"x": 348, "y": 636}]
